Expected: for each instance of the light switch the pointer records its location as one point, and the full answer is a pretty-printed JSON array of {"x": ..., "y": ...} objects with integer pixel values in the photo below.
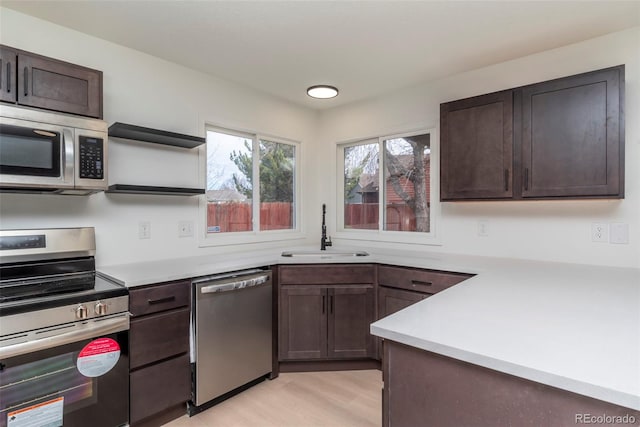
[
  {"x": 144, "y": 230},
  {"x": 619, "y": 233},
  {"x": 483, "y": 228},
  {"x": 185, "y": 229}
]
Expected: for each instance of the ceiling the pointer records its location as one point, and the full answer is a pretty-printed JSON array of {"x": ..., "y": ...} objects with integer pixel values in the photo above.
[{"x": 365, "y": 48}]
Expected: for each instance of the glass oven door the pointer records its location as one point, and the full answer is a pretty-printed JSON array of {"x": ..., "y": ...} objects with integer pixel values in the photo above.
[{"x": 75, "y": 384}]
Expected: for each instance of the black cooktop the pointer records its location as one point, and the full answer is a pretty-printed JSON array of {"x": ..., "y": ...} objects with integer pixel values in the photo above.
[{"x": 100, "y": 289}]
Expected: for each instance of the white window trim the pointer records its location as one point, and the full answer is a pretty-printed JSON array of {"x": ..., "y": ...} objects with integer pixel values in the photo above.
[
  {"x": 254, "y": 236},
  {"x": 433, "y": 237}
]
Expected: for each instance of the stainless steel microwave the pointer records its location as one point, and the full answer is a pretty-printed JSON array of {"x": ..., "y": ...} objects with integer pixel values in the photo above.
[{"x": 46, "y": 152}]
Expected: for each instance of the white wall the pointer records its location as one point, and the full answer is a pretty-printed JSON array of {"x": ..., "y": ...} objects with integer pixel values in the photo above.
[
  {"x": 146, "y": 91},
  {"x": 545, "y": 230}
]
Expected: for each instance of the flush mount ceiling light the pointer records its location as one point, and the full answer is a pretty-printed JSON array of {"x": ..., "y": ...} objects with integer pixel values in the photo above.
[{"x": 322, "y": 91}]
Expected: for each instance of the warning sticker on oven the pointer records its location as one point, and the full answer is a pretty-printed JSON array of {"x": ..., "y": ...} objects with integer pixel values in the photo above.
[
  {"x": 45, "y": 414},
  {"x": 98, "y": 357}
]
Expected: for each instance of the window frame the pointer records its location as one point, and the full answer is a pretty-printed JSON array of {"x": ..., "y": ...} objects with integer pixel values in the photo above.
[
  {"x": 430, "y": 238},
  {"x": 255, "y": 235}
]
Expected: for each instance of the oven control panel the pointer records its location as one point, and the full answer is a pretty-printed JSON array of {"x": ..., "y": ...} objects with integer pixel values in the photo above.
[
  {"x": 101, "y": 308},
  {"x": 91, "y": 158},
  {"x": 15, "y": 328},
  {"x": 8, "y": 243}
]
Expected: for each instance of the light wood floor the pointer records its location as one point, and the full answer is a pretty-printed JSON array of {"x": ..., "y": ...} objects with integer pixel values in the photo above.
[{"x": 318, "y": 399}]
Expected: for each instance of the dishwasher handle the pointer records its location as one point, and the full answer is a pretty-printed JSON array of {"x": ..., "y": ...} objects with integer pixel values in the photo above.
[{"x": 232, "y": 286}]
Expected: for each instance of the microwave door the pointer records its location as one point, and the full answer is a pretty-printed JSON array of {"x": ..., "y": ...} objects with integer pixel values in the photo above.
[{"x": 40, "y": 156}]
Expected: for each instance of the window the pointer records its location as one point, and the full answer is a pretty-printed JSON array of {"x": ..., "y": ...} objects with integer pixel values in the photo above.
[
  {"x": 397, "y": 200},
  {"x": 251, "y": 183}
]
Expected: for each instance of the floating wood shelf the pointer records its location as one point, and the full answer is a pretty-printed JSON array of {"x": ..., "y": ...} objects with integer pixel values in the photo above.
[
  {"x": 149, "y": 189},
  {"x": 139, "y": 133}
]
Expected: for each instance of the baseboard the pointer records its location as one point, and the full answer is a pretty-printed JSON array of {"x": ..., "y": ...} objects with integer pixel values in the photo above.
[{"x": 330, "y": 365}]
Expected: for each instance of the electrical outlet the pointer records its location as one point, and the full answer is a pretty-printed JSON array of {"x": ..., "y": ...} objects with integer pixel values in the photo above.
[
  {"x": 144, "y": 230},
  {"x": 600, "y": 232},
  {"x": 185, "y": 229},
  {"x": 483, "y": 228}
]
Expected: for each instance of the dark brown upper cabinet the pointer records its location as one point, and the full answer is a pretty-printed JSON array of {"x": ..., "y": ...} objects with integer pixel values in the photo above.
[
  {"x": 571, "y": 136},
  {"x": 562, "y": 138},
  {"x": 8, "y": 61},
  {"x": 476, "y": 147},
  {"x": 37, "y": 81}
]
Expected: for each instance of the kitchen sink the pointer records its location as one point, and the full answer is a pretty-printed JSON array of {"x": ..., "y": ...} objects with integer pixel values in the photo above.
[{"x": 324, "y": 254}]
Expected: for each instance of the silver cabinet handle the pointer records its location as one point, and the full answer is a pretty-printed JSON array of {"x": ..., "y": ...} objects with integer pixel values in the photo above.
[{"x": 92, "y": 330}]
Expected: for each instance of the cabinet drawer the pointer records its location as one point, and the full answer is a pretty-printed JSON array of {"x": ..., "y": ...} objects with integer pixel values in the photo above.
[
  {"x": 326, "y": 274},
  {"x": 157, "y": 298},
  {"x": 159, "y": 387},
  {"x": 158, "y": 337},
  {"x": 425, "y": 281}
]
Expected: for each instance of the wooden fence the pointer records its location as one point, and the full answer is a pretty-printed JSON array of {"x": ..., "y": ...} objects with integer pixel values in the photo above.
[
  {"x": 237, "y": 216},
  {"x": 399, "y": 217}
]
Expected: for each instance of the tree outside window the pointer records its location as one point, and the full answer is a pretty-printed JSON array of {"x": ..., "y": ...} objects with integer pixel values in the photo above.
[
  {"x": 405, "y": 183},
  {"x": 232, "y": 189}
]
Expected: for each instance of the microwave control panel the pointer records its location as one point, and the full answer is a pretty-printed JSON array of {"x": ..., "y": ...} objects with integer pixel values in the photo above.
[{"x": 91, "y": 157}]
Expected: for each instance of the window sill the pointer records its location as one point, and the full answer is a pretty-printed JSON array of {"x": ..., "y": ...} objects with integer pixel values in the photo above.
[
  {"x": 412, "y": 238},
  {"x": 249, "y": 237}
]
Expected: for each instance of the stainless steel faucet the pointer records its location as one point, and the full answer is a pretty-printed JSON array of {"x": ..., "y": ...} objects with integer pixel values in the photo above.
[{"x": 324, "y": 240}]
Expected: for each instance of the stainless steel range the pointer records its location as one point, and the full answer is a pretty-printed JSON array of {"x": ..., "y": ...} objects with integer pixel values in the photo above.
[{"x": 64, "y": 333}]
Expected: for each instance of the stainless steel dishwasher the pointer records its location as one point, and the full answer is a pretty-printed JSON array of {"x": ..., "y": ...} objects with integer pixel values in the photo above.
[{"x": 231, "y": 333}]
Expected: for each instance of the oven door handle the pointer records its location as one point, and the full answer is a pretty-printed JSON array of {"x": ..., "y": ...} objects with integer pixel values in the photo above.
[{"x": 91, "y": 330}]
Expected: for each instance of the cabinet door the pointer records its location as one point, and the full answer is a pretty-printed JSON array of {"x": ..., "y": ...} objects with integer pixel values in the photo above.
[
  {"x": 303, "y": 322},
  {"x": 8, "y": 59},
  {"x": 60, "y": 86},
  {"x": 476, "y": 146},
  {"x": 571, "y": 140},
  {"x": 351, "y": 311},
  {"x": 393, "y": 300},
  {"x": 159, "y": 387}
]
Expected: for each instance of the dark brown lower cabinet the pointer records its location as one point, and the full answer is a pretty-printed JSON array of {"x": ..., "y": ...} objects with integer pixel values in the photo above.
[
  {"x": 351, "y": 311},
  {"x": 163, "y": 336},
  {"x": 400, "y": 287},
  {"x": 303, "y": 323},
  {"x": 325, "y": 322},
  {"x": 159, "y": 387},
  {"x": 426, "y": 389},
  {"x": 160, "y": 370},
  {"x": 392, "y": 300}
]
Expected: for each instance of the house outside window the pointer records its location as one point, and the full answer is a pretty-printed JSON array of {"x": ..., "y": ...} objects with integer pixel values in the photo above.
[
  {"x": 251, "y": 183},
  {"x": 386, "y": 186}
]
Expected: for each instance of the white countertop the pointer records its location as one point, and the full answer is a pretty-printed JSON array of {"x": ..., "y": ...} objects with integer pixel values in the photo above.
[{"x": 571, "y": 326}]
